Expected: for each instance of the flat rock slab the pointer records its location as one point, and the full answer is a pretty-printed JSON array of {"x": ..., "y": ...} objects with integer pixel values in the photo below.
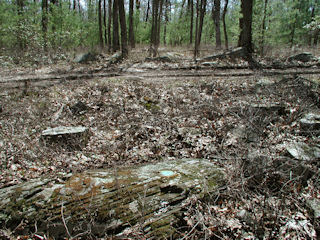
[
  {"x": 302, "y": 57},
  {"x": 310, "y": 123},
  {"x": 314, "y": 206},
  {"x": 303, "y": 151},
  {"x": 69, "y": 137},
  {"x": 110, "y": 202}
]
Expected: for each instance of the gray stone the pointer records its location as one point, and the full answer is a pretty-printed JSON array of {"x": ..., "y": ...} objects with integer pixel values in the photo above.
[
  {"x": 233, "y": 54},
  {"x": 111, "y": 200},
  {"x": 115, "y": 58},
  {"x": 68, "y": 137},
  {"x": 314, "y": 206},
  {"x": 302, "y": 57},
  {"x": 310, "y": 123},
  {"x": 277, "y": 108},
  {"x": 303, "y": 151},
  {"x": 85, "y": 57}
]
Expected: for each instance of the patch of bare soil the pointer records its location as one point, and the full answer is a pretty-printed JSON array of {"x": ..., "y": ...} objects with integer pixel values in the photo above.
[{"x": 144, "y": 112}]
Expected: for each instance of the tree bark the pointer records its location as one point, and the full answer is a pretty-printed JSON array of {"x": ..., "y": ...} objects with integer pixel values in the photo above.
[
  {"x": 216, "y": 20},
  {"x": 155, "y": 27},
  {"x": 190, "y": 12},
  {"x": 159, "y": 24},
  {"x": 100, "y": 23},
  {"x": 44, "y": 22},
  {"x": 245, "y": 38},
  {"x": 123, "y": 25},
  {"x": 263, "y": 29},
  {"x": 148, "y": 10},
  {"x": 115, "y": 18},
  {"x": 225, "y": 9},
  {"x": 167, "y": 2},
  {"x": 201, "y": 10},
  {"x": 109, "y": 25},
  {"x": 196, "y": 46},
  {"x": 105, "y": 22},
  {"x": 131, "y": 31}
]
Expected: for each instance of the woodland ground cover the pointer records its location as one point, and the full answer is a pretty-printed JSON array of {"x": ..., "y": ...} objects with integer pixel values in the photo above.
[{"x": 143, "y": 111}]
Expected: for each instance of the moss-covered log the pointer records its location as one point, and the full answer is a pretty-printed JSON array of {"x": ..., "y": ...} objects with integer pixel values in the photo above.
[{"x": 148, "y": 199}]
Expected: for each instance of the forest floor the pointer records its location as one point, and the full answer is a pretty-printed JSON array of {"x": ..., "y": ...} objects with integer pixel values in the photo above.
[{"x": 143, "y": 111}]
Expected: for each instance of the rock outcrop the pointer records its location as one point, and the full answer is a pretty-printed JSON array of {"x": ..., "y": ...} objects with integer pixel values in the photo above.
[{"x": 110, "y": 202}]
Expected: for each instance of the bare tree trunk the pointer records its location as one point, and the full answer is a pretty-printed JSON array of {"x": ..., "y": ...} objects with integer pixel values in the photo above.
[
  {"x": 201, "y": 10},
  {"x": 109, "y": 25},
  {"x": 216, "y": 20},
  {"x": 190, "y": 14},
  {"x": 191, "y": 21},
  {"x": 167, "y": 2},
  {"x": 148, "y": 10},
  {"x": 100, "y": 23},
  {"x": 202, "y": 13},
  {"x": 44, "y": 22},
  {"x": 293, "y": 30},
  {"x": 155, "y": 28},
  {"x": 115, "y": 18},
  {"x": 159, "y": 24},
  {"x": 105, "y": 22},
  {"x": 225, "y": 9},
  {"x": 131, "y": 32},
  {"x": 123, "y": 25},
  {"x": 196, "y": 46},
  {"x": 245, "y": 38},
  {"x": 263, "y": 29}
]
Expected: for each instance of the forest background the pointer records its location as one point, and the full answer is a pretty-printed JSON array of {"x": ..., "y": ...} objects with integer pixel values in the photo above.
[{"x": 32, "y": 28}]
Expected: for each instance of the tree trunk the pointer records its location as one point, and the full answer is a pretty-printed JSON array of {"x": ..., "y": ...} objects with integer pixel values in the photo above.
[
  {"x": 196, "y": 46},
  {"x": 155, "y": 27},
  {"x": 216, "y": 20},
  {"x": 263, "y": 29},
  {"x": 131, "y": 31},
  {"x": 159, "y": 24},
  {"x": 202, "y": 13},
  {"x": 115, "y": 18},
  {"x": 148, "y": 10},
  {"x": 293, "y": 30},
  {"x": 100, "y": 23},
  {"x": 245, "y": 38},
  {"x": 123, "y": 25},
  {"x": 225, "y": 9},
  {"x": 311, "y": 32},
  {"x": 167, "y": 2},
  {"x": 190, "y": 15},
  {"x": 105, "y": 22},
  {"x": 44, "y": 22},
  {"x": 201, "y": 10},
  {"x": 109, "y": 25}
]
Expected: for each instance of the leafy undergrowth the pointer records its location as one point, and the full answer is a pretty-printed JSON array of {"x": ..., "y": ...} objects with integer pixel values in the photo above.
[{"x": 136, "y": 119}]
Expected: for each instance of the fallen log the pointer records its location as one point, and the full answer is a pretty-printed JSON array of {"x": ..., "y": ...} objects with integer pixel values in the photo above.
[{"x": 105, "y": 203}]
